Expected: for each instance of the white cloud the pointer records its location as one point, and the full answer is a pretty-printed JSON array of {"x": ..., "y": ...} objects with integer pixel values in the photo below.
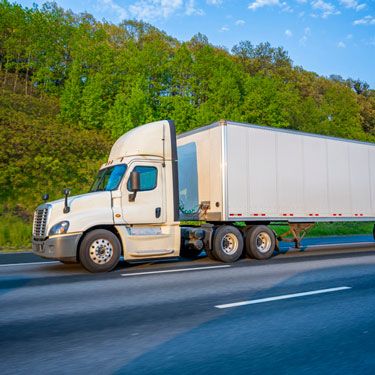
[
  {"x": 149, "y": 10},
  {"x": 303, "y": 40},
  {"x": 302, "y": 1},
  {"x": 214, "y": 2},
  {"x": 191, "y": 9},
  {"x": 349, "y": 36},
  {"x": 240, "y": 22},
  {"x": 367, "y": 20},
  {"x": 224, "y": 29},
  {"x": 263, "y": 3},
  {"x": 352, "y": 4},
  {"x": 306, "y": 34},
  {"x": 286, "y": 8},
  {"x": 288, "y": 33},
  {"x": 111, "y": 6},
  {"x": 361, "y": 6},
  {"x": 153, "y": 9},
  {"x": 341, "y": 45},
  {"x": 256, "y": 4},
  {"x": 327, "y": 9}
]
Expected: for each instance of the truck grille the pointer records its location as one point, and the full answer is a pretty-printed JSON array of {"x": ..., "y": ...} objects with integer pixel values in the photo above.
[{"x": 40, "y": 222}]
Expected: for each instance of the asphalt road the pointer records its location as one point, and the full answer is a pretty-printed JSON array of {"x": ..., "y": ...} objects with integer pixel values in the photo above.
[{"x": 299, "y": 313}]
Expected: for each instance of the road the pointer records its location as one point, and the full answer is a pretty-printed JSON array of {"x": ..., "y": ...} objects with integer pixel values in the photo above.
[{"x": 297, "y": 313}]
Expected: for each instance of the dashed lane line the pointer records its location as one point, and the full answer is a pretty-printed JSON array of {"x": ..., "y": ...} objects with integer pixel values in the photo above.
[
  {"x": 278, "y": 298},
  {"x": 174, "y": 270}
]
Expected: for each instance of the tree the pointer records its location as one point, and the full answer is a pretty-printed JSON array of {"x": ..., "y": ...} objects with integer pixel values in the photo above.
[{"x": 129, "y": 110}]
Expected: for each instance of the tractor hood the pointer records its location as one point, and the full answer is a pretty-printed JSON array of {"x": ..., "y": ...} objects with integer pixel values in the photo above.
[{"x": 86, "y": 210}]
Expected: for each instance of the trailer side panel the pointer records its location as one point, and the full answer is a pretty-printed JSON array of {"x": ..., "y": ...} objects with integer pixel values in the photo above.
[{"x": 281, "y": 175}]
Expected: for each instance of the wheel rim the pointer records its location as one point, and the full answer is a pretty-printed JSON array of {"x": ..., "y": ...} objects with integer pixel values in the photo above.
[
  {"x": 101, "y": 251},
  {"x": 229, "y": 243},
  {"x": 263, "y": 242}
]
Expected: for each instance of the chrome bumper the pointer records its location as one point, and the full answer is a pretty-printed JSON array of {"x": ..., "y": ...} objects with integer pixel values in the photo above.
[{"x": 62, "y": 247}]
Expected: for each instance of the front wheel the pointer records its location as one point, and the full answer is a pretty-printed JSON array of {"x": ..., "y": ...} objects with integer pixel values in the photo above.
[
  {"x": 260, "y": 242},
  {"x": 100, "y": 251},
  {"x": 227, "y": 244}
]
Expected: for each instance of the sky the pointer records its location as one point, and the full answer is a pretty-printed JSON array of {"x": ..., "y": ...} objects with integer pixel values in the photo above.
[{"x": 324, "y": 36}]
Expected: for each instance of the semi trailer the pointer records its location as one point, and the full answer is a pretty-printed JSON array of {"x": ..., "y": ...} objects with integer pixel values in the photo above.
[{"x": 216, "y": 176}]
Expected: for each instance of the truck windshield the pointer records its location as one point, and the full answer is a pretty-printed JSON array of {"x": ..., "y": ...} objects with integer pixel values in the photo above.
[{"x": 108, "y": 179}]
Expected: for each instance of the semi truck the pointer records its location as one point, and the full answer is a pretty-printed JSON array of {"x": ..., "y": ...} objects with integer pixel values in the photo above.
[{"x": 228, "y": 180}]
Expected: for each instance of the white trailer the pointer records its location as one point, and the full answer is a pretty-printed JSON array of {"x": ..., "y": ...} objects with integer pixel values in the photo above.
[
  {"x": 221, "y": 174},
  {"x": 255, "y": 173}
]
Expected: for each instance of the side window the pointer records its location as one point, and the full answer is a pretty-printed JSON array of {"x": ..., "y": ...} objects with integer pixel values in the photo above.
[{"x": 148, "y": 177}]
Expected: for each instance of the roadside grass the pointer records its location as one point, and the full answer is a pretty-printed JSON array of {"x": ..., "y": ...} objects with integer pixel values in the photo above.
[
  {"x": 332, "y": 229},
  {"x": 15, "y": 233}
]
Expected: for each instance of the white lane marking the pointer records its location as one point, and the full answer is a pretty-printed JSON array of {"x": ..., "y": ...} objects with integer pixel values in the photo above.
[
  {"x": 26, "y": 264},
  {"x": 277, "y": 298},
  {"x": 175, "y": 270}
]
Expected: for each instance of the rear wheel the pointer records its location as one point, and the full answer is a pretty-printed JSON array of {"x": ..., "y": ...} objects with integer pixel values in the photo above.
[
  {"x": 227, "y": 244},
  {"x": 260, "y": 242},
  {"x": 100, "y": 251},
  {"x": 210, "y": 254}
]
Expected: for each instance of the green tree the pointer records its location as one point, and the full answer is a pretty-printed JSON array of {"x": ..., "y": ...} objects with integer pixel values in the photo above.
[{"x": 128, "y": 111}]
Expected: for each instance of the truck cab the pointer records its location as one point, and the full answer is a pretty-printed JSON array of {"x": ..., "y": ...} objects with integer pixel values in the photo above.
[{"x": 131, "y": 209}]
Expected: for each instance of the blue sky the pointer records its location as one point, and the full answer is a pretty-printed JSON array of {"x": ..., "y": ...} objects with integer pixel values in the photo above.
[{"x": 325, "y": 36}]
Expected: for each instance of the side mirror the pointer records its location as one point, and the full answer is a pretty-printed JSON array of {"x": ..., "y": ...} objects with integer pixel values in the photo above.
[
  {"x": 45, "y": 197},
  {"x": 135, "y": 184},
  {"x": 66, "y": 193}
]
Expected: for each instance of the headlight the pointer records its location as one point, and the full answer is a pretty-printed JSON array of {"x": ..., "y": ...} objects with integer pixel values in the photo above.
[{"x": 59, "y": 228}]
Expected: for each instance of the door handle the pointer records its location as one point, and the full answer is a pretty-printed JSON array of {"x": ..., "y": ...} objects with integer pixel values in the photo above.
[{"x": 157, "y": 212}]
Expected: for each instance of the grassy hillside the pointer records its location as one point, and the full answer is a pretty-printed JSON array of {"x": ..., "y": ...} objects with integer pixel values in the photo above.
[{"x": 40, "y": 155}]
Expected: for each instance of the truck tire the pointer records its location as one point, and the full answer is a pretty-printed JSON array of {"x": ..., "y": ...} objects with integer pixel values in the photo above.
[
  {"x": 227, "y": 244},
  {"x": 260, "y": 242},
  {"x": 210, "y": 254},
  {"x": 100, "y": 251}
]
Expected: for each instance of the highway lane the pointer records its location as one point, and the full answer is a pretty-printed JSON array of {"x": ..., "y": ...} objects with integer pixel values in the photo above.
[{"x": 61, "y": 319}]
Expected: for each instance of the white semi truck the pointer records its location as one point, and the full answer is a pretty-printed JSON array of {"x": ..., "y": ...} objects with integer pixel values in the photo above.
[{"x": 220, "y": 174}]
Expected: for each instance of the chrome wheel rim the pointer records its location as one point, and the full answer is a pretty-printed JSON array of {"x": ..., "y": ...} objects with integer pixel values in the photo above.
[
  {"x": 263, "y": 242},
  {"x": 229, "y": 243},
  {"x": 101, "y": 251}
]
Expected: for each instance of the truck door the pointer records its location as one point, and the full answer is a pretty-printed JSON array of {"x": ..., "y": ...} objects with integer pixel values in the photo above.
[{"x": 148, "y": 206}]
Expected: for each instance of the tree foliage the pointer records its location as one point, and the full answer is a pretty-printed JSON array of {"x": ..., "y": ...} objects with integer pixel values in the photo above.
[{"x": 40, "y": 154}]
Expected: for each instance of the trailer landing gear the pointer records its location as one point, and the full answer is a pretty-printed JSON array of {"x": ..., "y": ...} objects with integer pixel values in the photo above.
[{"x": 298, "y": 231}]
